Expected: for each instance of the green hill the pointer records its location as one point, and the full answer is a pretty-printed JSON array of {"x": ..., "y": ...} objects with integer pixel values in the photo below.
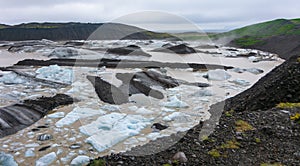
[
  {"x": 280, "y": 36},
  {"x": 77, "y": 31}
]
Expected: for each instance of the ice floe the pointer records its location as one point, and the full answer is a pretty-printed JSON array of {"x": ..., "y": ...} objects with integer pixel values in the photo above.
[
  {"x": 7, "y": 160},
  {"x": 179, "y": 117},
  {"x": 174, "y": 102},
  {"x": 46, "y": 160},
  {"x": 76, "y": 114},
  {"x": 80, "y": 160},
  {"x": 56, "y": 115},
  {"x": 55, "y": 73},
  {"x": 110, "y": 129},
  {"x": 111, "y": 108},
  {"x": 217, "y": 75},
  {"x": 143, "y": 110},
  {"x": 29, "y": 153},
  {"x": 240, "y": 82},
  {"x": 202, "y": 93},
  {"x": 11, "y": 78}
]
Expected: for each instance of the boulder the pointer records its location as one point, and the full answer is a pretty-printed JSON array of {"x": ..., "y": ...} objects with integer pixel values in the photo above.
[
  {"x": 107, "y": 92},
  {"x": 180, "y": 156},
  {"x": 158, "y": 127}
]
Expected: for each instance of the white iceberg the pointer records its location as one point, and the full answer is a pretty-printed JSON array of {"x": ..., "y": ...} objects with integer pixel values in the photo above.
[
  {"x": 56, "y": 115},
  {"x": 46, "y": 160},
  {"x": 55, "y": 73},
  {"x": 29, "y": 153},
  {"x": 111, "y": 108},
  {"x": 80, "y": 161},
  {"x": 174, "y": 102},
  {"x": 76, "y": 114},
  {"x": 178, "y": 117},
  {"x": 253, "y": 59},
  {"x": 12, "y": 78},
  {"x": 240, "y": 82},
  {"x": 202, "y": 93},
  {"x": 64, "y": 52},
  {"x": 113, "y": 128},
  {"x": 218, "y": 75},
  {"x": 167, "y": 109},
  {"x": 7, "y": 160},
  {"x": 143, "y": 110}
]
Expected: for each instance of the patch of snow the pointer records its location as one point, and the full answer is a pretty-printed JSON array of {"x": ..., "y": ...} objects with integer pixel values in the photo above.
[
  {"x": 76, "y": 114},
  {"x": 174, "y": 102},
  {"x": 55, "y": 73},
  {"x": 113, "y": 128},
  {"x": 80, "y": 160},
  {"x": 46, "y": 160}
]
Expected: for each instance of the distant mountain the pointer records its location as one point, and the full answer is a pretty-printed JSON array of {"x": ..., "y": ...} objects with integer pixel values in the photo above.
[
  {"x": 77, "y": 31},
  {"x": 280, "y": 36}
]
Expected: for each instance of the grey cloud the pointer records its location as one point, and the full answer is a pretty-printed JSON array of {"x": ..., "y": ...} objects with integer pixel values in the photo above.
[{"x": 211, "y": 12}]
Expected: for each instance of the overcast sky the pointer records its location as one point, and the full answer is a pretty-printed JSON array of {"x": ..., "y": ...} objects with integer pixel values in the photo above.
[{"x": 207, "y": 14}]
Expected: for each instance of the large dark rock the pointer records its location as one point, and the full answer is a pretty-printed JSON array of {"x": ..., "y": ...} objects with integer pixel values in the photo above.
[
  {"x": 108, "y": 92},
  {"x": 142, "y": 82},
  {"x": 136, "y": 83},
  {"x": 178, "y": 49},
  {"x": 158, "y": 127},
  {"x": 128, "y": 50},
  {"x": 18, "y": 116}
]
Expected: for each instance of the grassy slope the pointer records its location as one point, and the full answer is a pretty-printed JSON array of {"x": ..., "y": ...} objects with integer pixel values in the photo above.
[{"x": 255, "y": 34}]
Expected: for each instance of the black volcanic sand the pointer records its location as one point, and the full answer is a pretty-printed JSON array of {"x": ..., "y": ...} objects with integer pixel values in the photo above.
[
  {"x": 115, "y": 63},
  {"x": 251, "y": 130},
  {"x": 19, "y": 116}
]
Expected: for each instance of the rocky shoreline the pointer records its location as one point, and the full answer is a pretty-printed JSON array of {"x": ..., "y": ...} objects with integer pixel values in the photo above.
[{"x": 254, "y": 129}]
